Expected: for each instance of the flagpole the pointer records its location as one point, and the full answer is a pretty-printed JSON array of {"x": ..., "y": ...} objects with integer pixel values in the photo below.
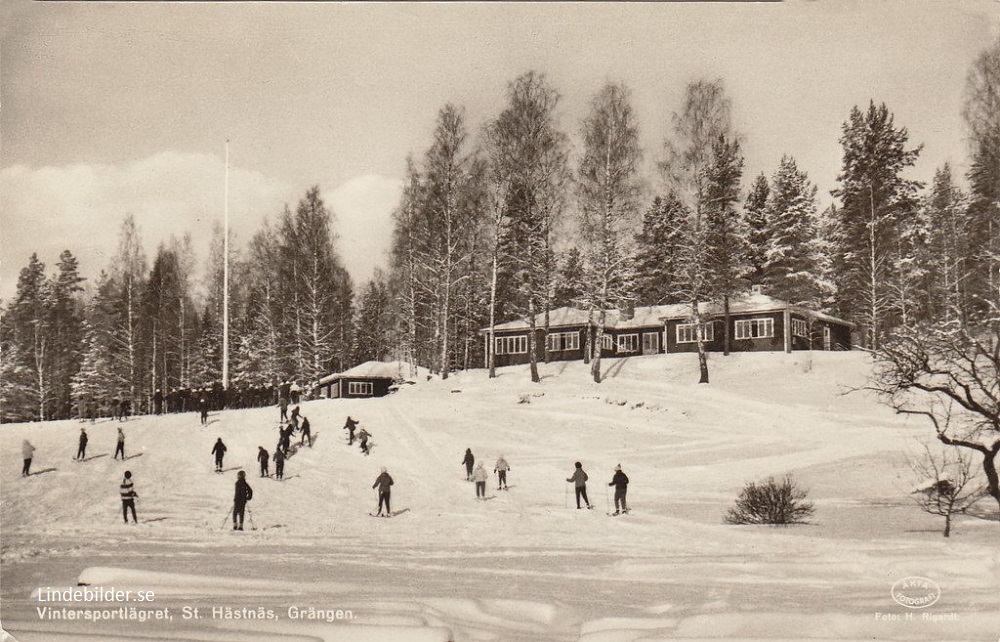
[{"x": 225, "y": 283}]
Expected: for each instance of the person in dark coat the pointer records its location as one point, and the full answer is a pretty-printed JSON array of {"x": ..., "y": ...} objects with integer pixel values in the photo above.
[
  {"x": 469, "y": 461},
  {"x": 286, "y": 438},
  {"x": 81, "y": 452},
  {"x": 295, "y": 417},
  {"x": 158, "y": 402},
  {"x": 279, "y": 463},
  {"x": 203, "y": 409},
  {"x": 579, "y": 480},
  {"x": 263, "y": 457},
  {"x": 120, "y": 446},
  {"x": 306, "y": 432},
  {"x": 384, "y": 484},
  {"x": 620, "y": 482},
  {"x": 126, "y": 409},
  {"x": 283, "y": 405},
  {"x": 219, "y": 450},
  {"x": 128, "y": 497},
  {"x": 350, "y": 425},
  {"x": 243, "y": 494}
]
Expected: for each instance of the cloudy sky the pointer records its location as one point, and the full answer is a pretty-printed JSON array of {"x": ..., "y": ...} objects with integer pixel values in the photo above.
[{"x": 117, "y": 108}]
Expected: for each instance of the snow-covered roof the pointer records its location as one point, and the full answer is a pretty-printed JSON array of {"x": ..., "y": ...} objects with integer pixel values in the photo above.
[
  {"x": 655, "y": 315},
  {"x": 366, "y": 370}
]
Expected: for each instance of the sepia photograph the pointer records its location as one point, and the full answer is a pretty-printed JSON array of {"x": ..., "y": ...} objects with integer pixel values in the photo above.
[{"x": 500, "y": 321}]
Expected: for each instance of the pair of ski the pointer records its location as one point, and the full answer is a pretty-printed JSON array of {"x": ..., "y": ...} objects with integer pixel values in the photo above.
[{"x": 618, "y": 513}]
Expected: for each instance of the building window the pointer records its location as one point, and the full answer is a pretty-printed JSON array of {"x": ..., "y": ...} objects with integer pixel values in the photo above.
[
  {"x": 686, "y": 332},
  {"x": 607, "y": 342},
  {"x": 359, "y": 388},
  {"x": 628, "y": 343},
  {"x": 800, "y": 328},
  {"x": 512, "y": 345},
  {"x": 650, "y": 342},
  {"x": 559, "y": 341},
  {"x": 754, "y": 328}
]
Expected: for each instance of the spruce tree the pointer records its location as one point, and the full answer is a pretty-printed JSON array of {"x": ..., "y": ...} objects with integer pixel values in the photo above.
[{"x": 756, "y": 225}]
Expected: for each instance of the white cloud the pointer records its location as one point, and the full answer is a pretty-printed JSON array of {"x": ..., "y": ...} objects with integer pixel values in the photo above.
[{"x": 80, "y": 208}]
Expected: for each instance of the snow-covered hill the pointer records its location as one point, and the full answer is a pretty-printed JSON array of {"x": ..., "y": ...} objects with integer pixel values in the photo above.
[{"x": 525, "y": 564}]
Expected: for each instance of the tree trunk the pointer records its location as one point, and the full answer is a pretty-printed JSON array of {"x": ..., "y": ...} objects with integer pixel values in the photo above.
[
  {"x": 532, "y": 357},
  {"x": 702, "y": 357},
  {"x": 595, "y": 366},
  {"x": 726, "y": 340}
]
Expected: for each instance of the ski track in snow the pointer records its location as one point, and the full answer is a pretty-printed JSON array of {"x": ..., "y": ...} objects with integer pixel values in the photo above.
[{"x": 521, "y": 566}]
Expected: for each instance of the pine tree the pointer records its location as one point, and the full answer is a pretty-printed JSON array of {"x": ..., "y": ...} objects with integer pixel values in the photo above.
[
  {"x": 875, "y": 198},
  {"x": 570, "y": 277},
  {"x": 790, "y": 270},
  {"x": 373, "y": 326},
  {"x": 756, "y": 225},
  {"x": 28, "y": 345},
  {"x": 659, "y": 251}
]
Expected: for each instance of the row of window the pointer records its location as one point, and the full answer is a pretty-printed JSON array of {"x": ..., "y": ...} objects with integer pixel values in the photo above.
[
  {"x": 761, "y": 328},
  {"x": 359, "y": 388}
]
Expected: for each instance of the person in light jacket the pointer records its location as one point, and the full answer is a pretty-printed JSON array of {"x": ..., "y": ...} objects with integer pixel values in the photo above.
[
  {"x": 579, "y": 480},
  {"x": 27, "y": 451},
  {"x": 501, "y": 469},
  {"x": 479, "y": 476}
]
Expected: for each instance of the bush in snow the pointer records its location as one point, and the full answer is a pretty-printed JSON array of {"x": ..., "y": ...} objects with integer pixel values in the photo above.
[
  {"x": 771, "y": 502},
  {"x": 950, "y": 485}
]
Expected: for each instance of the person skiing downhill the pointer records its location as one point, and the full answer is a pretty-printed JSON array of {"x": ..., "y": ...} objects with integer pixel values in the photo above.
[
  {"x": 279, "y": 463},
  {"x": 469, "y": 460},
  {"x": 203, "y": 408},
  {"x": 263, "y": 457},
  {"x": 620, "y": 482},
  {"x": 501, "y": 469},
  {"x": 243, "y": 494},
  {"x": 219, "y": 450},
  {"x": 384, "y": 483},
  {"x": 81, "y": 452},
  {"x": 579, "y": 480},
  {"x": 120, "y": 446},
  {"x": 350, "y": 425},
  {"x": 27, "y": 452},
  {"x": 286, "y": 437},
  {"x": 128, "y": 497},
  {"x": 306, "y": 432},
  {"x": 479, "y": 476},
  {"x": 363, "y": 436},
  {"x": 295, "y": 417}
]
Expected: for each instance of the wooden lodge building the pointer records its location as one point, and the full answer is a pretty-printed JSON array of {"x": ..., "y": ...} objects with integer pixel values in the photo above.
[
  {"x": 757, "y": 322},
  {"x": 369, "y": 379}
]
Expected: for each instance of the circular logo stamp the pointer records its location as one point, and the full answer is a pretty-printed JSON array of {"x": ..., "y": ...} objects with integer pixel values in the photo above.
[{"x": 916, "y": 592}]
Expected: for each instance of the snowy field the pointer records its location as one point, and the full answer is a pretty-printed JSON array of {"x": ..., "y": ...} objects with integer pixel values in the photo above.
[{"x": 524, "y": 565}]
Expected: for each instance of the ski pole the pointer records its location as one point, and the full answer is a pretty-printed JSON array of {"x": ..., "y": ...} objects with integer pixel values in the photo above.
[
  {"x": 228, "y": 515},
  {"x": 250, "y": 515}
]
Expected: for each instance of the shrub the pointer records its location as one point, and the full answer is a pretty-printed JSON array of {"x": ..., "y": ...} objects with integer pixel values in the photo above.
[{"x": 771, "y": 502}]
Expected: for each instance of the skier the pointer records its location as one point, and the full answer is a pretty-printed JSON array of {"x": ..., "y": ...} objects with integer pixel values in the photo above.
[
  {"x": 383, "y": 481},
  {"x": 120, "y": 448},
  {"x": 479, "y": 476},
  {"x": 243, "y": 494},
  {"x": 363, "y": 436},
  {"x": 81, "y": 452},
  {"x": 126, "y": 409},
  {"x": 350, "y": 425},
  {"x": 263, "y": 457},
  {"x": 203, "y": 408},
  {"x": 620, "y": 482},
  {"x": 295, "y": 417},
  {"x": 279, "y": 463},
  {"x": 306, "y": 434},
  {"x": 286, "y": 438},
  {"x": 27, "y": 451},
  {"x": 501, "y": 470},
  {"x": 158, "y": 402},
  {"x": 283, "y": 404},
  {"x": 128, "y": 497},
  {"x": 219, "y": 450},
  {"x": 468, "y": 461},
  {"x": 579, "y": 480}
]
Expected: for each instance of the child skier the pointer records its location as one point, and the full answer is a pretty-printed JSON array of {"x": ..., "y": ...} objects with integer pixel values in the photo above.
[
  {"x": 128, "y": 497},
  {"x": 120, "y": 447},
  {"x": 306, "y": 434},
  {"x": 579, "y": 480},
  {"x": 384, "y": 483},
  {"x": 620, "y": 482},
  {"x": 219, "y": 450},
  {"x": 479, "y": 476},
  {"x": 350, "y": 425},
  {"x": 363, "y": 436},
  {"x": 501, "y": 469},
  {"x": 279, "y": 463},
  {"x": 27, "y": 452},
  {"x": 263, "y": 457},
  {"x": 469, "y": 460},
  {"x": 243, "y": 494},
  {"x": 81, "y": 452}
]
